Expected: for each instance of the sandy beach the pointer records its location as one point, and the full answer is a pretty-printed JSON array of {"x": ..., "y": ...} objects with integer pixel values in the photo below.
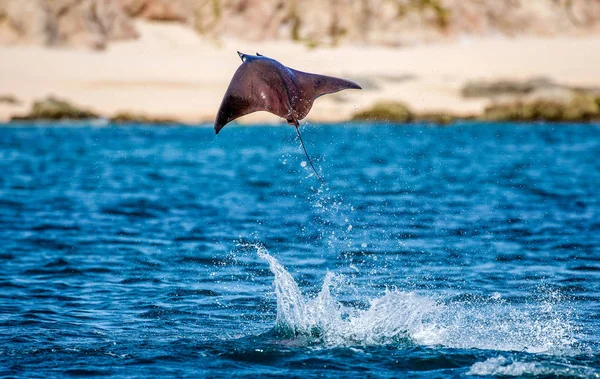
[{"x": 173, "y": 73}]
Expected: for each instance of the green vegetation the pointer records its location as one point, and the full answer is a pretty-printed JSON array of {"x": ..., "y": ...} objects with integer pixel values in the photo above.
[
  {"x": 52, "y": 108},
  {"x": 336, "y": 32},
  {"x": 533, "y": 100},
  {"x": 442, "y": 14},
  {"x": 216, "y": 8},
  {"x": 312, "y": 44},
  {"x": 9, "y": 99},
  {"x": 130, "y": 117},
  {"x": 504, "y": 87},
  {"x": 216, "y": 17},
  {"x": 391, "y": 111},
  {"x": 294, "y": 18},
  {"x": 126, "y": 117},
  {"x": 440, "y": 118},
  {"x": 581, "y": 107}
]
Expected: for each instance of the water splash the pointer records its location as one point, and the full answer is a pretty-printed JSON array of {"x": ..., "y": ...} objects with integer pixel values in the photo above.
[
  {"x": 406, "y": 317},
  {"x": 508, "y": 367},
  {"x": 392, "y": 317}
]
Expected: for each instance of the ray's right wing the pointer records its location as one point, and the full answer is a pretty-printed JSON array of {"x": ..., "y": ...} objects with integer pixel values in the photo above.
[
  {"x": 255, "y": 86},
  {"x": 313, "y": 86}
]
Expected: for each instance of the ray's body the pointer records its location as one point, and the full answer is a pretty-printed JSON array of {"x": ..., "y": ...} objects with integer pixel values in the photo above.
[{"x": 264, "y": 84}]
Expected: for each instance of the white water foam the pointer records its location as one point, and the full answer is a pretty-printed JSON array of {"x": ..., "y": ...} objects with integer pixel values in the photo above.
[
  {"x": 491, "y": 324},
  {"x": 502, "y": 366}
]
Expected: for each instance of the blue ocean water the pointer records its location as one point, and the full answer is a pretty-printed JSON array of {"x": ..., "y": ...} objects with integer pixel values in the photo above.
[{"x": 430, "y": 252}]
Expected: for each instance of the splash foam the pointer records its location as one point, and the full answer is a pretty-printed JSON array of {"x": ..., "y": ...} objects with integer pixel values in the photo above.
[
  {"x": 506, "y": 367},
  {"x": 397, "y": 316}
]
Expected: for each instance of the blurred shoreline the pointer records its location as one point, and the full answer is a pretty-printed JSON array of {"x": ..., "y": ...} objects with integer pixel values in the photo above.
[{"x": 172, "y": 73}]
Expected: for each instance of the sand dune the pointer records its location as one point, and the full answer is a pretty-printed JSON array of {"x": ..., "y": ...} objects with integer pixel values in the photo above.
[{"x": 171, "y": 72}]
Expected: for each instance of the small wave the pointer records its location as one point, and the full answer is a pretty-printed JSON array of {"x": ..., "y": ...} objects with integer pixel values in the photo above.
[
  {"x": 502, "y": 366},
  {"x": 406, "y": 317}
]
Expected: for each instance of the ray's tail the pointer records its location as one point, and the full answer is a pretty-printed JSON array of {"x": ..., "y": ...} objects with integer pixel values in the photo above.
[{"x": 297, "y": 125}]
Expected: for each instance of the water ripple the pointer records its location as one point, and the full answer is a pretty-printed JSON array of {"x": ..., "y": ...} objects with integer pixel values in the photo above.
[{"x": 430, "y": 252}]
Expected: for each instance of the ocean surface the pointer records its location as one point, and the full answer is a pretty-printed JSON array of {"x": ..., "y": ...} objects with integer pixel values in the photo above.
[{"x": 430, "y": 252}]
